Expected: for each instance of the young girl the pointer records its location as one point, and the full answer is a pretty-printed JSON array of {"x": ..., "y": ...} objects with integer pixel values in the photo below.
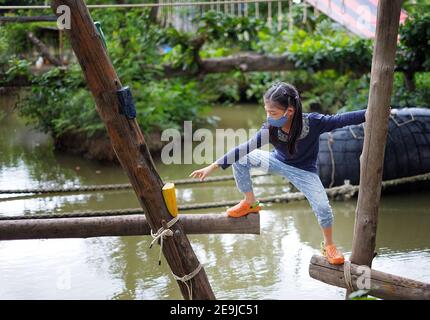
[{"x": 295, "y": 137}]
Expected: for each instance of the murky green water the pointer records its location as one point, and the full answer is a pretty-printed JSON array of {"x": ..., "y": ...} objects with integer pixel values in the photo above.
[{"x": 273, "y": 265}]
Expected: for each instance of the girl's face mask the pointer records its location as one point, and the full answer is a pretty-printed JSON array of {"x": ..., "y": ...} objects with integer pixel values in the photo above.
[{"x": 278, "y": 122}]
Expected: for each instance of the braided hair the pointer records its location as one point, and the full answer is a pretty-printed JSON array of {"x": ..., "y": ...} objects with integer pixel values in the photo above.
[{"x": 284, "y": 95}]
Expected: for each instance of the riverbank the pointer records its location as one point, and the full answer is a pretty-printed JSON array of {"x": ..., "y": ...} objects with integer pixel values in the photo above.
[{"x": 95, "y": 147}]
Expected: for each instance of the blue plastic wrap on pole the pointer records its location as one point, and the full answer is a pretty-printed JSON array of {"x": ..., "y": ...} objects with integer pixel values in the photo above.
[{"x": 125, "y": 99}]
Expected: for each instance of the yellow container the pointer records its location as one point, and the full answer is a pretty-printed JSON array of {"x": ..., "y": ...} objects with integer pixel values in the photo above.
[{"x": 169, "y": 195}]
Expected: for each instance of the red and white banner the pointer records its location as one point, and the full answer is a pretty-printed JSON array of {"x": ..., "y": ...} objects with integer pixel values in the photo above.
[{"x": 358, "y": 16}]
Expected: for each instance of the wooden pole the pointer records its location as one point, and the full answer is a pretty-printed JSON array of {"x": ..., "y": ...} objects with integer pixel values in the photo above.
[
  {"x": 375, "y": 132},
  {"x": 382, "y": 285},
  {"x": 129, "y": 145},
  {"x": 124, "y": 225}
]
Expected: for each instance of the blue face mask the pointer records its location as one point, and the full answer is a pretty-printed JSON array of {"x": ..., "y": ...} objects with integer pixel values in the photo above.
[{"x": 277, "y": 122}]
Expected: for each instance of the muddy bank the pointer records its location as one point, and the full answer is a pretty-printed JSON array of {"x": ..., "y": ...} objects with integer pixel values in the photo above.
[{"x": 98, "y": 146}]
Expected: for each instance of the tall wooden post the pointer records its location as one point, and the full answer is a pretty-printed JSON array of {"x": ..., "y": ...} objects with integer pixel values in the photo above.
[
  {"x": 372, "y": 158},
  {"x": 129, "y": 145}
]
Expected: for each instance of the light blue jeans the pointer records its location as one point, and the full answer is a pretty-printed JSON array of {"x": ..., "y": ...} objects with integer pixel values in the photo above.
[{"x": 307, "y": 182}]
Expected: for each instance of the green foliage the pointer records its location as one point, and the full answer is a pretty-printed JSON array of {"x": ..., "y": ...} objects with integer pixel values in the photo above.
[
  {"x": 414, "y": 50},
  {"x": 230, "y": 30},
  {"x": 59, "y": 101},
  {"x": 16, "y": 67},
  {"x": 331, "y": 92},
  {"x": 60, "y": 104},
  {"x": 132, "y": 43},
  {"x": 419, "y": 97},
  {"x": 223, "y": 34},
  {"x": 328, "y": 45},
  {"x": 3, "y": 114},
  {"x": 416, "y": 6},
  {"x": 4, "y": 54}
]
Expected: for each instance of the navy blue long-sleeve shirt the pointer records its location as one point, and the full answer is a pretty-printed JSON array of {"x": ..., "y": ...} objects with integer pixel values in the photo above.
[{"x": 314, "y": 124}]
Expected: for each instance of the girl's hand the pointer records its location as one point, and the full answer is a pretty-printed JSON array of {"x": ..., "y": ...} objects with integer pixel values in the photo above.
[{"x": 203, "y": 173}]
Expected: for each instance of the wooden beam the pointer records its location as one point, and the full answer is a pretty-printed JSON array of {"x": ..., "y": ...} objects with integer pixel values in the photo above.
[
  {"x": 43, "y": 49},
  {"x": 382, "y": 285},
  {"x": 127, "y": 225},
  {"x": 29, "y": 19},
  {"x": 375, "y": 132},
  {"x": 130, "y": 147},
  {"x": 244, "y": 62},
  {"x": 254, "y": 62}
]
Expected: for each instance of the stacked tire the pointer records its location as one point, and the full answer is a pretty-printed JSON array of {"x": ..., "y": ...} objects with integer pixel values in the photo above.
[{"x": 407, "y": 151}]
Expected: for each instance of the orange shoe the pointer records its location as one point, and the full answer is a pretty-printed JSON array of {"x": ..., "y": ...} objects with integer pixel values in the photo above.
[
  {"x": 333, "y": 255},
  {"x": 242, "y": 209}
]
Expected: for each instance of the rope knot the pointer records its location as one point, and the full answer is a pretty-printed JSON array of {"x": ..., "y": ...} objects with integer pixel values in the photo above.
[
  {"x": 187, "y": 278},
  {"x": 161, "y": 234}
]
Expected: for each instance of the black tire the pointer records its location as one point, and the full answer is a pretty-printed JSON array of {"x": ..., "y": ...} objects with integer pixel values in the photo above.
[{"x": 407, "y": 151}]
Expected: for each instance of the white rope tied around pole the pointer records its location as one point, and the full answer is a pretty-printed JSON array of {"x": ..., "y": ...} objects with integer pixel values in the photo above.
[
  {"x": 187, "y": 278},
  {"x": 347, "y": 275},
  {"x": 161, "y": 234}
]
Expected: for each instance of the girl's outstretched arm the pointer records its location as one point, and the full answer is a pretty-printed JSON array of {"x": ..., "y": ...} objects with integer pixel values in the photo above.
[
  {"x": 326, "y": 123},
  {"x": 259, "y": 139}
]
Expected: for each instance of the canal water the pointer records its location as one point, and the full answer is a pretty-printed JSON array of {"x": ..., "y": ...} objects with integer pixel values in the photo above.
[{"x": 272, "y": 265}]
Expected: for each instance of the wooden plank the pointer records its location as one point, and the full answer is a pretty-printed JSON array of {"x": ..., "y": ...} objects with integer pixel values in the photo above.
[
  {"x": 129, "y": 145},
  {"x": 127, "y": 225},
  {"x": 382, "y": 285}
]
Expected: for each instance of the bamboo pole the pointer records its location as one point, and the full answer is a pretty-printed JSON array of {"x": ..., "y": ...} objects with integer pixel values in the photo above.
[
  {"x": 382, "y": 285},
  {"x": 130, "y": 147},
  {"x": 122, "y": 225},
  {"x": 375, "y": 132}
]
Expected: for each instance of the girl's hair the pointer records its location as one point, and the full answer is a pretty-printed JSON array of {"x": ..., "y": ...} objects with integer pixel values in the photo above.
[{"x": 284, "y": 95}]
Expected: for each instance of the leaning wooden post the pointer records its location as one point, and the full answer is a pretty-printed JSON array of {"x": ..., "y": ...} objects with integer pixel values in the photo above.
[
  {"x": 129, "y": 144},
  {"x": 375, "y": 133}
]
